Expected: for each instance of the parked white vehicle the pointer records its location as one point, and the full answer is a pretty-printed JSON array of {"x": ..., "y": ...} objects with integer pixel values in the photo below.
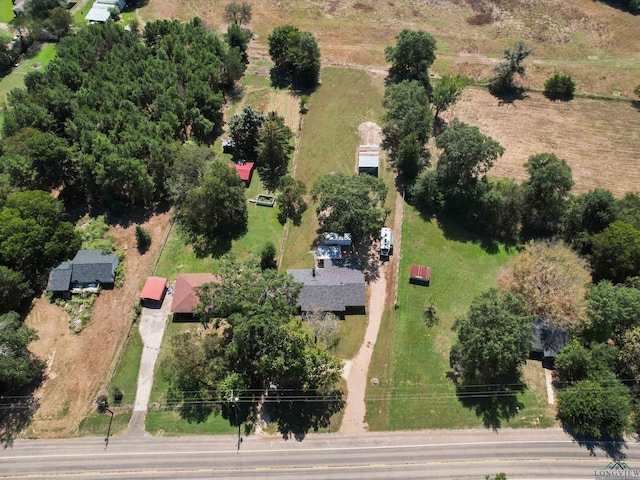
[{"x": 386, "y": 242}]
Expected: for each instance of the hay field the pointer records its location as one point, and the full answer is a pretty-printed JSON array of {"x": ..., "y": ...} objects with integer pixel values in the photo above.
[
  {"x": 599, "y": 139},
  {"x": 589, "y": 39}
]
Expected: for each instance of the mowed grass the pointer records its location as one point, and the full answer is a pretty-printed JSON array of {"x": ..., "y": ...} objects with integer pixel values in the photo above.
[
  {"x": 328, "y": 143},
  {"x": 6, "y": 12},
  {"x": 126, "y": 376},
  {"x": 411, "y": 360},
  {"x": 15, "y": 79},
  {"x": 168, "y": 423},
  {"x": 262, "y": 227},
  {"x": 98, "y": 423}
]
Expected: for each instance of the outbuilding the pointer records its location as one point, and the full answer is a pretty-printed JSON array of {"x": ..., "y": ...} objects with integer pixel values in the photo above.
[
  {"x": 327, "y": 253},
  {"x": 153, "y": 292},
  {"x": 420, "y": 275},
  {"x": 368, "y": 159},
  {"x": 245, "y": 171},
  {"x": 340, "y": 239}
]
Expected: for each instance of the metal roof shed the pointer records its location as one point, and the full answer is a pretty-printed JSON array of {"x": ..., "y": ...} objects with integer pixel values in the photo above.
[
  {"x": 327, "y": 252},
  {"x": 420, "y": 275},
  {"x": 332, "y": 238},
  {"x": 98, "y": 15},
  {"x": 368, "y": 159}
]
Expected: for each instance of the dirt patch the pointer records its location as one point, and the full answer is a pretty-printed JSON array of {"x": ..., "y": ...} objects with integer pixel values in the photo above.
[
  {"x": 79, "y": 365},
  {"x": 370, "y": 133},
  {"x": 599, "y": 139}
]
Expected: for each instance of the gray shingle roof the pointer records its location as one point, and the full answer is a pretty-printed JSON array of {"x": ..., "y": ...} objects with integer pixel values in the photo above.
[
  {"x": 60, "y": 277},
  {"x": 549, "y": 339},
  {"x": 333, "y": 288},
  {"x": 90, "y": 266}
]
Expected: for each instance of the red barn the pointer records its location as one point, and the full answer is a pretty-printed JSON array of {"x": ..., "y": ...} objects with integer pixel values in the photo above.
[
  {"x": 153, "y": 291},
  {"x": 245, "y": 171}
]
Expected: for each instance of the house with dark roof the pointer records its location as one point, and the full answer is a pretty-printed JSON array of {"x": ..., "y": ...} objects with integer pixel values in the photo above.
[
  {"x": 89, "y": 268},
  {"x": 548, "y": 340},
  {"x": 185, "y": 293},
  {"x": 338, "y": 288}
]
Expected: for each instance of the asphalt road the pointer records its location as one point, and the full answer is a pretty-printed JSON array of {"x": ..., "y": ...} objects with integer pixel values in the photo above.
[{"x": 462, "y": 454}]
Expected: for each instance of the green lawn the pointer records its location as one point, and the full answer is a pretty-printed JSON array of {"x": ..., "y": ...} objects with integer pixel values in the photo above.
[
  {"x": 16, "y": 78},
  {"x": 328, "y": 143},
  {"x": 168, "y": 422},
  {"x": 126, "y": 376},
  {"x": 350, "y": 337},
  {"x": 6, "y": 12},
  {"x": 98, "y": 423},
  {"x": 411, "y": 359},
  {"x": 263, "y": 226}
]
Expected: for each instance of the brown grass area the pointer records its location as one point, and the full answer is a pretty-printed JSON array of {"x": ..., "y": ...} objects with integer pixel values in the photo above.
[
  {"x": 566, "y": 35},
  {"x": 79, "y": 365},
  {"x": 599, "y": 139}
]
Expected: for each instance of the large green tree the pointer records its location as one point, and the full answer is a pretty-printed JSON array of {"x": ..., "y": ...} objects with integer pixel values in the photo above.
[
  {"x": 34, "y": 235},
  {"x": 263, "y": 350},
  {"x": 244, "y": 129},
  {"x": 274, "y": 145},
  {"x": 18, "y": 366},
  {"x": 215, "y": 212},
  {"x": 546, "y": 195},
  {"x": 612, "y": 310},
  {"x": 411, "y": 57},
  {"x": 598, "y": 409},
  {"x": 350, "y": 204},
  {"x": 290, "y": 200},
  {"x": 467, "y": 155},
  {"x": 188, "y": 167},
  {"x": 14, "y": 288},
  {"x": 589, "y": 214},
  {"x": 407, "y": 124},
  {"x": 616, "y": 252},
  {"x": 237, "y": 13},
  {"x": 296, "y": 54},
  {"x": 494, "y": 339},
  {"x": 447, "y": 92}
]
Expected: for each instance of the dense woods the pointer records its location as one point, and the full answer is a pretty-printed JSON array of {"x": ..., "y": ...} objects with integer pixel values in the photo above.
[{"x": 101, "y": 118}]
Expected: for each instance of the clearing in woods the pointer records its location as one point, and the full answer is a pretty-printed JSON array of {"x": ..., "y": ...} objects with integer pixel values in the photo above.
[
  {"x": 599, "y": 139},
  {"x": 79, "y": 364}
]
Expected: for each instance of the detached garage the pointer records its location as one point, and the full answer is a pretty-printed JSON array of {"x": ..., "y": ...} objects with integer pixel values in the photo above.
[
  {"x": 420, "y": 275},
  {"x": 153, "y": 292}
]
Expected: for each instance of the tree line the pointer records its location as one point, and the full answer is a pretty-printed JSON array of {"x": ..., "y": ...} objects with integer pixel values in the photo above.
[{"x": 565, "y": 241}]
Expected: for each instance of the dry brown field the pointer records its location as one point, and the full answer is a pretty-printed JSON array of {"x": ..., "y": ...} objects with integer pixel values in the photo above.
[
  {"x": 78, "y": 365},
  {"x": 594, "y": 42},
  {"x": 599, "y": 139}
]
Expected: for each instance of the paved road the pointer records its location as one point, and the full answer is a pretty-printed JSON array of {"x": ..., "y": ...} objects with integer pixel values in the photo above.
[{"x": 468, "y": 454}]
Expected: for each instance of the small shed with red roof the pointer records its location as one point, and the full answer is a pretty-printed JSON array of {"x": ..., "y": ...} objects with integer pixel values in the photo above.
[
  {"x": 420, "y": 275},
  {"x": 153, "y": 292},
  {"x": 245, "y": 171},
  {"x": 185, "y": 294}
]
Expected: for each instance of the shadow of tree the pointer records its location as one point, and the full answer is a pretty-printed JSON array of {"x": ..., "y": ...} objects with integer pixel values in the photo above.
[
  {"x": 492, "y": 403},
  {"x": 454, "y": 230},
  {"x": 15, "y": 415},
  {"x": 558, "y": 98},
  {"x": 612, "y": 447},
  {"x": 509, "y": 96},
  {"x": 296, "y": 412}
]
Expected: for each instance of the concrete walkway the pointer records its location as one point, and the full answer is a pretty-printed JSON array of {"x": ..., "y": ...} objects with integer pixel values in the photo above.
[{"x": 152, "y": 325}]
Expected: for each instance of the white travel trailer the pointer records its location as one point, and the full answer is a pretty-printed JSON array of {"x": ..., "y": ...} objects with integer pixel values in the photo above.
[{"x": 386, "y": 242}]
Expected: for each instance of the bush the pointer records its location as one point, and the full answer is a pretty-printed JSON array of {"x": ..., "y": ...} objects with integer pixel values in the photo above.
[
  {"x": 268, "y": 257},
  {"x": 143, "y": 238},
  {"x": 117, "y": 395},
  {"x": 559, "y": 86},
  {"x": 103, "y": 403},
  {"x": 304, "y": 99}
]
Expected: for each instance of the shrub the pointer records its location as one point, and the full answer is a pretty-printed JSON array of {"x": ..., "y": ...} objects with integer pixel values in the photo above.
[
  {"x": 118, "y": 395},
  {"x": 267, "y": 257},
  {"x": 103, "y": 403},
  {"x": 143, "y": 238},
  {"x": 304, "y": 99},
  {"x": 559, "y": 86}
]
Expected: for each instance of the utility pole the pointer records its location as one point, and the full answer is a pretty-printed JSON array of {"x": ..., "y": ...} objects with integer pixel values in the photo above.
[{"x": 236, "y": 408}]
